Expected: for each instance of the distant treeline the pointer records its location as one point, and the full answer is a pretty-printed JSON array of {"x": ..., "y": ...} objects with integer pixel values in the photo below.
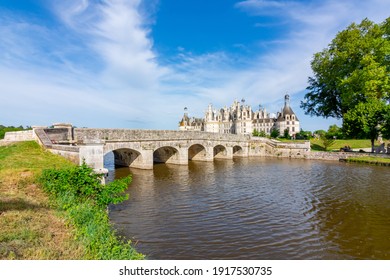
[{"x": 4, "y": 129}]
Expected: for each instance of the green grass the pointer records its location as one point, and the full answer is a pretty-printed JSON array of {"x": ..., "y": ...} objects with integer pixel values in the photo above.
[
  {"x": 316, "y": 144},
  {"x": 371, "y": 160},
  {"x": 30, "y": 228},
  {"x": 30, "y": 156},
  {"x": 34, "y": 226}
]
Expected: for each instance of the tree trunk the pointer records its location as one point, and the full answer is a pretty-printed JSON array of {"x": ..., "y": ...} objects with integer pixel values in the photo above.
[{"x": 372, "y": 145}]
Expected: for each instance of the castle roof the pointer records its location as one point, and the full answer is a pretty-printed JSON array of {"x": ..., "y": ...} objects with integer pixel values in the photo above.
[{"x": 286, "y": 110}]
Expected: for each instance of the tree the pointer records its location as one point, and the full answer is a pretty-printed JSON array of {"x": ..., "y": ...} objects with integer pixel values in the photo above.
[
  {"x": 320, "y": 132},
  {"x": 275, "y": 133},
  {"x": 326, "y": 142},
  {"x": 303, "y": 134},
  {"x": 367, "y": 120},
  {"x": 352, "y": 78},
  {"x": 334, "y": 132}
]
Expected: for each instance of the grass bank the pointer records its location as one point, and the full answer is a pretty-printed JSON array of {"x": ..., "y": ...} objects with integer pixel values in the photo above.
[
  {"x": 316, "y": 144},
  {"x": 370, "y": 160},
  {"x": 38, "y": 222}
]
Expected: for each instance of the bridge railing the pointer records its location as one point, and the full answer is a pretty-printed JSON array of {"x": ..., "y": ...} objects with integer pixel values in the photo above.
[{"x": 83, "y": 134}]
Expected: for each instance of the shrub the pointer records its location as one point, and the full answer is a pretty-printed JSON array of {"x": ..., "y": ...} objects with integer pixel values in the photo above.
[
  {"x": 81, "y": 183},
  {"x": 78, "y": 191},
  {"x": 275, "y": 133}
]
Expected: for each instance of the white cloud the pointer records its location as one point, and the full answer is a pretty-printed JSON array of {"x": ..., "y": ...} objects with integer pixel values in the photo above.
[{"x": 102, "y": 71}]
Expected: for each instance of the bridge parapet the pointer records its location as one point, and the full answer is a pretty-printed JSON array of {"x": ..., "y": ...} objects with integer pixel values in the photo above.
[{"x": 83, "y": 134}]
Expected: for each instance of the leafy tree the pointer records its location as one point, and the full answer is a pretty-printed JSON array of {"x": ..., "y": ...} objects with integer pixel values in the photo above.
[
  {"x": 286, "y": 134},
  {"x": 367, "y": 120},
  {"x": 334, "y": 132},
  {"x": 326, "y": 142},
  {"x": 259, "y": 133},
  {"x": 275, "y": 133},
  {"x": 352, "y": 78},
  {"x": 303, "y": 135},
  {"x": 320, "y": 132}
]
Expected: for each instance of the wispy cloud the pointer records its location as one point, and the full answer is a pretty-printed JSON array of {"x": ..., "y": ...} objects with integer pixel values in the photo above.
[{"x": 104, "y": 67}]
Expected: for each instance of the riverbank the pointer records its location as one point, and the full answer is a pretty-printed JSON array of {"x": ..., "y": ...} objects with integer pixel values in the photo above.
[
  {"x": 370, "y": 160},
  {"x": 34, "y": 226}
]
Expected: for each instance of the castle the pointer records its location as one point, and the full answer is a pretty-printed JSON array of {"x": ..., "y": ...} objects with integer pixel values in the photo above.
[{"x": 240, "y": 119}]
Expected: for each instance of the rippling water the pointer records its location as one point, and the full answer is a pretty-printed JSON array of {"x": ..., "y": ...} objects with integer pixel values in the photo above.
[{"x": 258, "y": 208}]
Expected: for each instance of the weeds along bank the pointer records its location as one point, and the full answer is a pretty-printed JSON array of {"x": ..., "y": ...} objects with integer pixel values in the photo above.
[{"x": 52, "y": 209}]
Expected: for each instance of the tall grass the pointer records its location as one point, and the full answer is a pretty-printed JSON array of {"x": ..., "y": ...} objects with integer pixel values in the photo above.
[{"x": 78, "y": 191}]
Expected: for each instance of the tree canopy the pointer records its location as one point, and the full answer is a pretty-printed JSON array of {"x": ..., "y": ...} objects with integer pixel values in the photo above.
[{"x": 352, "y": 80}]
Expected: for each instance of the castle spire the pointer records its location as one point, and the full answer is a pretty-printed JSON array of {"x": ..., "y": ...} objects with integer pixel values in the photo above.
[{"x": 287, "y": 100}]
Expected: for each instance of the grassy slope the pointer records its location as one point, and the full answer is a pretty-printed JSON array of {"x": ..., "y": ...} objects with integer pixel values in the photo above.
[
  {"x": 29, "y": 227},
  {"x": 316, "y": 144},
  {"x": 372, "y": 160}
]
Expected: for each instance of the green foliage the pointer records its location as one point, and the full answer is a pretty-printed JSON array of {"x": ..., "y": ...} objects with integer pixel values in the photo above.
[
  {"x": 352, "y": 79},
  {"x": 335, "y": 132},
  {"x": 83, "y": 184},
  {"x": 326, "y": 142},
  {"x": 367, "y": 120},
  {"x": 303, "y": 135},
  {"x": 320, "y": 132},
  {"x": 286, "y": 134},
  {"x": 78, "y": 191},
  {"x": 275, "y": 133},
  {"x": 259, "y": 133},
  {"x": 94, "y": 229}
]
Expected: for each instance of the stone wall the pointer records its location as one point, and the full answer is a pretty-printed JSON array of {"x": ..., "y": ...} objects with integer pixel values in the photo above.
[
  {"x": 342, "y": 155},
  {"x": 68, "y": 152},
  {"x": 57, "y": 135},
  {"x": 16, "y": 136},
  {"x": 259, "y": 146},
  {"x": 83, "y": 134}
]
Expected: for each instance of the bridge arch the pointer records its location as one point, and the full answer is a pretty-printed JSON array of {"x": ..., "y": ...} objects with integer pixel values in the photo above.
[
  {"x": 197, "y": 152},
  {"x": 166, "y": 154},
  {"x": 238, "y": 151},
  {"x": 220, "y": 151},
  {"x": 127, "y": 157}
]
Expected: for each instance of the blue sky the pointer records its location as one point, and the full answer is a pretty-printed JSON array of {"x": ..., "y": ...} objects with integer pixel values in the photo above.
[{"x": 137, "y": 64}]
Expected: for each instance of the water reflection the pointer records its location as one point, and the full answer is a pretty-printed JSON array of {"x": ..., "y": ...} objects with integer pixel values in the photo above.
[{"x": 257, "y": 209}]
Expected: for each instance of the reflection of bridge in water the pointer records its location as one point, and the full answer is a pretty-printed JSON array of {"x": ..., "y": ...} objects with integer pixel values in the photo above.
[{"x": 142, "y": 148}]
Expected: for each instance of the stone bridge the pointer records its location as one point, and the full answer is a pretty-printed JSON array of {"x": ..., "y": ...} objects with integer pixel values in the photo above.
[{"x": 143, "y": 148}]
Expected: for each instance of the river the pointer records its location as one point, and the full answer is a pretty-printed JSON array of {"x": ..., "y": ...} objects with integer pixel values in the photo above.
[{"x": 257, "y": 208}]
